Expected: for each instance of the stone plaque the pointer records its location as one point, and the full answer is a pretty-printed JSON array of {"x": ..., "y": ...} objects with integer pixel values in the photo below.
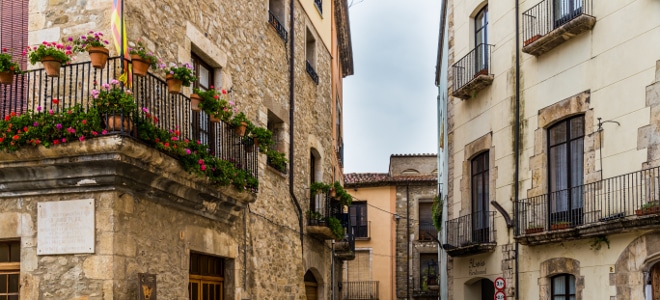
[{"x": 65, "y": 227}]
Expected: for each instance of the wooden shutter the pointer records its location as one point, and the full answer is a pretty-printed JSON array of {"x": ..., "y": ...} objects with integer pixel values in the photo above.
[{"x": 14, "y": 37}]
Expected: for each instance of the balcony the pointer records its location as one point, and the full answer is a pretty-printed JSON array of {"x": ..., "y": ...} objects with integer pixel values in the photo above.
[
  {"x": 323, "y": 208},
  {"x": 472, "y": 73},
  {"x": 273, "y": 21},
  {"x": 311, "y": 72},
  {"x": 471, "y": 234},
  {"x": 614, "y": 205},
  {"x": 120, "y": 157},
  {"x": 345, "y": 247},
  {"x": 427, "y": 232},
  {"x": 359, "y": 290},
  {"x": 553, "y": 22}
]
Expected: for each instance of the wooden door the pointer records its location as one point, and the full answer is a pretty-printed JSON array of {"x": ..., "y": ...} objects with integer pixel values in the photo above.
[
  {"x": 655, "y": 281},
  {"x": 311, "y": 290}
]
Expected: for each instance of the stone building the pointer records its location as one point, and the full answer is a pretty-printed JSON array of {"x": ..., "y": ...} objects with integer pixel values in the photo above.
[
  {"x": 552, "y": 149},
  {"x": 113, "y": 217},
  {"x": 396, "y": 249}
]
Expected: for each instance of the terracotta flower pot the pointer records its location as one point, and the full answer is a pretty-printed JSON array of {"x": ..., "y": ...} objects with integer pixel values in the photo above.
[
  {"x": 533, "y": 230},
  {"x": 6, "y": 77},
  {"x": 213, "y": 119},
  {"x": 194, "y": 102},
  {"x": 173, "y": 84},
  {"x": 531, "y": 40},
  {"x": 51, "y": 65},
  {"x": 559, "y": 226},
  {"x": 115, "y": 123},
  {"x": 240, "y": 129},
  {"x": 99, "y": 56},
  {"x": 140, "y": 66}
]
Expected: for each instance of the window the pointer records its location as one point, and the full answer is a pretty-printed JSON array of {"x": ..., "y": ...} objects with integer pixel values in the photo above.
[
  {"x": 481, "y": 39},
  {"x": 565, "y": 161},
  {"x": 206, "y": 277},
  {"x": 358, "y": 212},
  {"x": 10, "y": 257},
  {"x": 563, "y": 287},
  {"x": 319, "y": 5},
  {"x": 276, "y": 126},
  {"x": 310, "y": 55},
  {"x": 426, "y": 229},
  {"x": 480, "y": 198},
  {"x": 277, "y": 16},
  {"x": 203, "y": 129},
  {"x": 14, "y": 37},
  {"x": 359, "y": 269},
  {"x": 428, "y": 267},
  {"x": 566, "y": 10}
]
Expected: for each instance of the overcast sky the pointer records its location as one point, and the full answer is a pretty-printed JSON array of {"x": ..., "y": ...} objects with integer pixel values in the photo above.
[{"x": 390, "y": 101}]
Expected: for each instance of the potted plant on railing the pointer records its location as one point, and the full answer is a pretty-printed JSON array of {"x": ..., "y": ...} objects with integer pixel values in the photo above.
[
  {"x": 115, "y": 104},
  {"x": 262, "y": 137},
  {"x": 335, "y": 226},
  {"x": 51, "y": 54},
  {"x": 240, "y": 123},
  {"x": 315, "y": 218},
  {"x": 276, "y": 160},
  {"x": 141, "y": 59},
  {"x": 213, "y": 103},
  {"x": 178, "y": 75},
  {"x": 558, "y": 225},
  {"x": 95, "y": 45},
  {"x": 340, "y": 193},
  {"x": 8, "y": 67},
  {"x": 534, "y": 228},
  {"x": 651, "y": 207}
]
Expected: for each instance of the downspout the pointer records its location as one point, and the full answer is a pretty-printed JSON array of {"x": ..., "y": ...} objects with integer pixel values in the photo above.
[
  {"x": 292, "y": 104},
  {"x": 407, "y": 240},
  {"x": 517, "y": 150}
]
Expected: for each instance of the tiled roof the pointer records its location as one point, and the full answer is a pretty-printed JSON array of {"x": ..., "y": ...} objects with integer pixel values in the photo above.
[
  {"x": 414, "y": 155},
  {"x": 375, "y": 179}
]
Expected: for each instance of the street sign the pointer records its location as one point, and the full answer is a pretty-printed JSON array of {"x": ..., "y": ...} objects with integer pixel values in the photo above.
[
  {"x": 499, "y": 295},
  {"x": 499, "y": 283}
]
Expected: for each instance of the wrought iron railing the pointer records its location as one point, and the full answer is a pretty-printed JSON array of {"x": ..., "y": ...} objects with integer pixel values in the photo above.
[
  {"x": 319, "y": 5},
  {"x": 275, "y": 22},
  {"x": 427, "y": 232},
  {"x": 312, "y": 72},
  {"x": 625, "y": 196},
  {"x": 33, "y": 91},
  {"x": 362, "y": 231},
  {"x": 358, "y": 290},
  {"x": 340, "y": 153},
  {"x": 349, "y": 236},
  {"x": 470, "y": 66},
  {"x": 476, "y": 228},
  {"x": 322, "y": 207},
  {"x": 551, "y": 14}
]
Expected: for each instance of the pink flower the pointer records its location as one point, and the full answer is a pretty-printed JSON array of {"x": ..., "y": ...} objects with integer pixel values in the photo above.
[
  {"x": 63, "y": 140},
  {"x": 104, "y": 131},
  {"x": 200, "y": 161},
  {"x": 188, "y": 151},
  {"x": 203, "y": 167},
  {"x": 81, "y": 138}
]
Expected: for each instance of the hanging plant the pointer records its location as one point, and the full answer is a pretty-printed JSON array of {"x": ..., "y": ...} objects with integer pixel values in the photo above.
[{"x": 436, "y": 210}]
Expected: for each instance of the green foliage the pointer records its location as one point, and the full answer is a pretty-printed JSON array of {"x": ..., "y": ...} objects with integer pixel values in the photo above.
[
  {"x": 317, "y": 187},
  {"x": 335, "y": 226},
  {"x": 436, "y": 210},
  {"x": 58, "y": 51},
  {"x": 7, "y": 64},
  {"x": 238, "y": 119},
  {"x": 596, "y": 242},
  {"x": 113, "y": 98},
  {"x": 215, "y": 104},
  {"x": 263, "y": 135},
  {"x": 147, "y": 56},
  {"x": 91, "y": 39},
  {"x": 341, "y": 194},
  {"x": 183, "y": 72},
  {"x": 649, "y": 205},
  {"x": 314, "y": 215},
  {"x": 277, "y": 160}
]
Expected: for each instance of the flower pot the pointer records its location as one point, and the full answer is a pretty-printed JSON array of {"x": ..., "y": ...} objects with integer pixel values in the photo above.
[
  {"x": 6, "y": 77},
  {"x": 560, "y": 226},
  {"x": 173, "y": 84},
  {"x": 194, "y": 103},
  {"x": 115, "y": 123},
  {"x": 51, "y": 65},
  {"x": 531, "y": 40},
  {"x": 333, "y": 193},
  {"x": 647, "y": 211},
  {"x": 256, "y": 141},
  {"x": 481, "y": 72},
  {"x": 99, "y": 56},
  {"x": 140, "y": 66},
  {"x": 213, "y": 119},
  {"x": 240, "y": 129},
  {"x": 533, "y": 230}
]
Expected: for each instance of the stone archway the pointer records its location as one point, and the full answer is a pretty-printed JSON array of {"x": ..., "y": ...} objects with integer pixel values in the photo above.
[
  {"x": 634, "y": 265},
  {"x": 479, "y": 289},
  {"x": 311, "y": 286}
]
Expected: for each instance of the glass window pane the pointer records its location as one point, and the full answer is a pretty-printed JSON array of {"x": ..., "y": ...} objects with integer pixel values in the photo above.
[
  {"x": 15, "y": 252},
  {"x": 3, "y": 283},
  {"x": 204, "y": 78},
  {"x": 559, "y": 298},
  {"x": 13, "y": 297},
  {"x": 577, "y": 127},
  {"x": 557, "y": 134},
  {"x": 4, "y": 252},
  {"x": 559, "y": 285},
  {"x": 571, "y": 284},
  {"x": 13, "y": 283}
]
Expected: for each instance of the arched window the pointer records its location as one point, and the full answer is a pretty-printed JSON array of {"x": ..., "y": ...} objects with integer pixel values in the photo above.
[{"x": 563, "y": 287}]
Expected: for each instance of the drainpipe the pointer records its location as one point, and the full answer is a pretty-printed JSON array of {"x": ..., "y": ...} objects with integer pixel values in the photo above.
[
  {"x": 407, "y": 240},
  {"x": 291, "y": 131},
  {"x": 517, "y": 154}
]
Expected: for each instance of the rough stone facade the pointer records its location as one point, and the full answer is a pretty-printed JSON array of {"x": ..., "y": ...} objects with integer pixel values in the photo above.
[{"x": 259, "y": 236}]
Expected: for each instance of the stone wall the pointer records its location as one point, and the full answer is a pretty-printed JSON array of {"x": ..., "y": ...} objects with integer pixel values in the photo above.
[{"x": 252, "y": 60}]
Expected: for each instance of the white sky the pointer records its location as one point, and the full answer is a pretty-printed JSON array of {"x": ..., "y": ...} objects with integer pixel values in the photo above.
[{"x": 390, "y": 101}]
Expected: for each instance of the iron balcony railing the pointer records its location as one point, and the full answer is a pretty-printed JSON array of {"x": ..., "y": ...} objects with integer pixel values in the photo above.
[
  {"x": 312, "y": 72},
  {"x": 625, "y": 196},
  {"x": 358, "y": 290},
  {"x": 470, "y": 66},
  {"x": 33, "y": 91},
  {"x": 549, "y": 15},
  {"x": 322, "y": 207},
  {"x": 473, "y": 229},
  {"x": 427, "y": 232},
  {"x": 349, "y": 236},
  {"x": 278, "y": 26},
  {"x": 340, "y": 153}
]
